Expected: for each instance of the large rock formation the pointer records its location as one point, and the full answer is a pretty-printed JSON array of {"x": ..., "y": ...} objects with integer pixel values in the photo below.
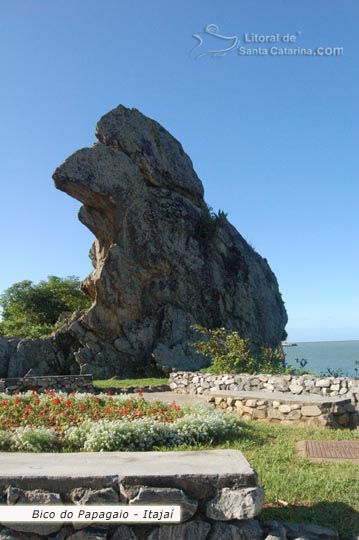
[{"x": 162, "y": 262}]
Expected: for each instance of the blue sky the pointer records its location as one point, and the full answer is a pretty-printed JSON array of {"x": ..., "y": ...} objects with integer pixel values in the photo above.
[{"x": 273, "y": 138}]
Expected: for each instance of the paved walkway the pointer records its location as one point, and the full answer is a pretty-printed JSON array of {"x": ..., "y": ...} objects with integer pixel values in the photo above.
[{"x": 168, "y": 397}]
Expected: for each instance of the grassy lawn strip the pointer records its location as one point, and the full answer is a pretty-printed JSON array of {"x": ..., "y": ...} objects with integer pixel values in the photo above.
[
  {"x": 325, "y": 494},
  {"x": 114, "y": 383}
]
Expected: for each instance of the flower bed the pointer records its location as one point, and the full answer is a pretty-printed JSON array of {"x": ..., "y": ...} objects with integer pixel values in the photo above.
[{"x": 54, "y": 422}]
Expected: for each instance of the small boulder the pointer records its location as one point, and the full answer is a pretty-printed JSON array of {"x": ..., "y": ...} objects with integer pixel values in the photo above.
[
  {"x": 167, "y": 496},
  {"x": 236, "y": 504}
]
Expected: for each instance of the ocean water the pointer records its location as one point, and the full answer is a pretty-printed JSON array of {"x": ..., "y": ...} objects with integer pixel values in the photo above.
[{"x": 337, "y": 355}]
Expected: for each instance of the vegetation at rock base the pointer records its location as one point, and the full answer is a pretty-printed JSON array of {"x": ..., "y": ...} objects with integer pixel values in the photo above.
[
  {"x": 229, "y": 353},
  {"x": 31, "y": 310}
]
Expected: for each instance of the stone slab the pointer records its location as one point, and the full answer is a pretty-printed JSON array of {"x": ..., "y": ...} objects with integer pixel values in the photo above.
[
  {"x": 280, "y": 396},
  {"x": 195, "y": 470}
]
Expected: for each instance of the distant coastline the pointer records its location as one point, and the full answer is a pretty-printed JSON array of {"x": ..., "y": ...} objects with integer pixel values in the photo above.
[
  {"x": 337, "y": 356},
  {"x": 354, "y": 340}
]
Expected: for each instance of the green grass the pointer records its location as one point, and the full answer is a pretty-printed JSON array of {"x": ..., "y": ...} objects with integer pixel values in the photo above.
[
  {"x": 324, "y": 494},
  {"x": 114, "y": 383}
]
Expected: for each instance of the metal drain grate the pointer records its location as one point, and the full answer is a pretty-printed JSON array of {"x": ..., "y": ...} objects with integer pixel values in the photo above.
[{"x": 331, "y": 450}]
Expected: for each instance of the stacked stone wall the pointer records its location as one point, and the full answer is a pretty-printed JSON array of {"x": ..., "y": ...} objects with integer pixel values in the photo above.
[
  {"x": 340, "y": 414},
  {"x": 305, "y": 385},
  {"x": 66, "y": 383}
]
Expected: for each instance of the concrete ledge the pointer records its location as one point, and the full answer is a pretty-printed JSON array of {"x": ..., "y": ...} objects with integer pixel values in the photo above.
[{"x": 216, "y": 468}]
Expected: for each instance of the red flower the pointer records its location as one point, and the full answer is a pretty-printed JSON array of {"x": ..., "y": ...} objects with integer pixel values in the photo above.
[
  {"x": 83, "y": 407},
  {"x": 140, "y": 393},
  {"x": 68, "y": 403},
  {"x": 125, "y": 412},
  {"x": 57, "y": 401},
  {"x": 5, "y": 402},
  {"x": 33, "y": 393},
  {"x": 96, "y": 399},
  {"x": 108, "y": 392},
  {"x": 17, "y": 401}
]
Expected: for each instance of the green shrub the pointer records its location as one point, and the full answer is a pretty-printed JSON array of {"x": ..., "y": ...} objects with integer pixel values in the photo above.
[
  {"x": 206, "y": 226},
  {"x": 229, "y": 353}
]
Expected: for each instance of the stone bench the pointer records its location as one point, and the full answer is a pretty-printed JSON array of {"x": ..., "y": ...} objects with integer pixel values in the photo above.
[
  {"x": 217, "y": 491},
  {"x": 211, "y": 487},
  {"x": 310, "y": 410}
]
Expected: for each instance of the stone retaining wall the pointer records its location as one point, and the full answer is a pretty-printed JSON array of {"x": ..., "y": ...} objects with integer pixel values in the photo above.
[
  {"x": 217, "y": 492},
  {"x": 311, "y": 414},
  {"x": 202, "y": 383},
  {"x": 66, "y": 383},
  {"x": 133, "y": 389}
]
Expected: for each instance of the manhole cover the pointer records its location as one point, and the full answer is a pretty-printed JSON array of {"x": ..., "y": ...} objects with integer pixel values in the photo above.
[{"x": 329, "y": 450}]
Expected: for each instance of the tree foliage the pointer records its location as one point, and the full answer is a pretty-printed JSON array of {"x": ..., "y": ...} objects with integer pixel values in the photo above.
[{"x": 30, "y": 310}]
